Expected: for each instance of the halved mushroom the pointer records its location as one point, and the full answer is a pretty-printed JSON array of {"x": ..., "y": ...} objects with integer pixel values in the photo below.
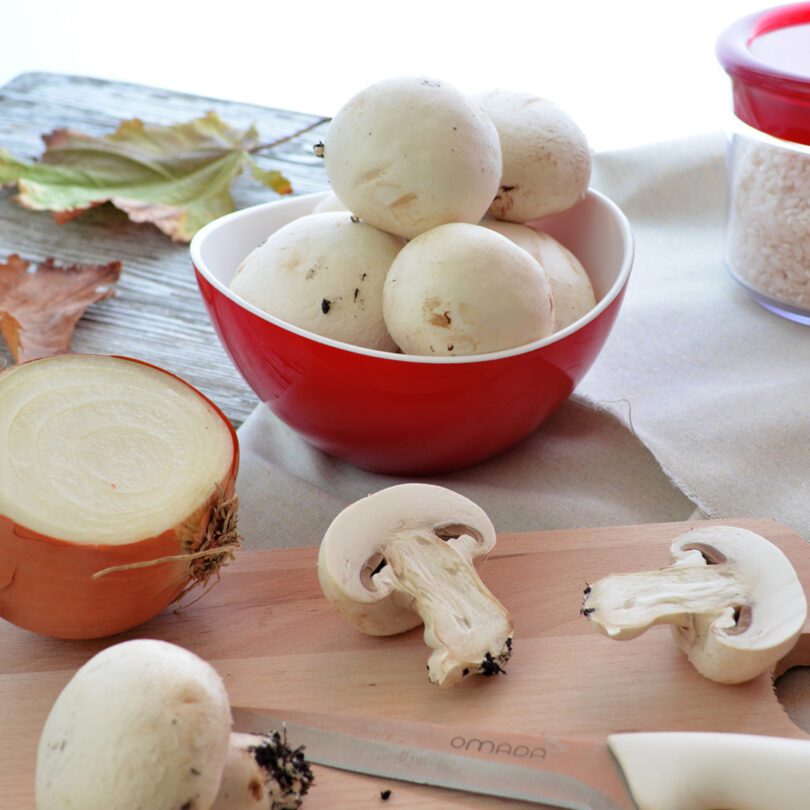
[
  {"x": 733, "y": 598},
  {"x": 408, "y": 554}
]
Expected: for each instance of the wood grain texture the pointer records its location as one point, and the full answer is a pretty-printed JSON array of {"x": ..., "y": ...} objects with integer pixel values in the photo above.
[
  {"x": 157, "y": 314},
  {"x": 278, "y": 643}
]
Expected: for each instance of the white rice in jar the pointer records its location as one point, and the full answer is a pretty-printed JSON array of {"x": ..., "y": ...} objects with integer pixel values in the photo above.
[{"x": 768, "y": 235}]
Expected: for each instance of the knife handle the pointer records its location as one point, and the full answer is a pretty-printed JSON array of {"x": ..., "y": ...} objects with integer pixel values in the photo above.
[{"x": 713, "y": 771}]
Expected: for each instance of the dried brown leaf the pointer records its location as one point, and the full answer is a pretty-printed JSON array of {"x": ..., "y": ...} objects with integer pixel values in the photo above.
[{"x": 40, "y": 304}]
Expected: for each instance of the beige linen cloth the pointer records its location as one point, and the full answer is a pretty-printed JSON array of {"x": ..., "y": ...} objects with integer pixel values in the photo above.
[{"x": 699, "y": 404}]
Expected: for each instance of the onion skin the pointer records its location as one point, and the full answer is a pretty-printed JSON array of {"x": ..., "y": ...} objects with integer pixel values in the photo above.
[{"x": 47, "y": 585}]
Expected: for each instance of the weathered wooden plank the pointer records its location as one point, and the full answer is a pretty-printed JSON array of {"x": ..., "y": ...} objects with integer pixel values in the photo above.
[{"x": 157, "y": 315}]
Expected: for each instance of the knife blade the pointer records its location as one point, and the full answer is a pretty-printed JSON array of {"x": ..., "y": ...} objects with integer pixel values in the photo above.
[
  {"x": 537, "y": 769},
  {"x": 631, "y": 771}
]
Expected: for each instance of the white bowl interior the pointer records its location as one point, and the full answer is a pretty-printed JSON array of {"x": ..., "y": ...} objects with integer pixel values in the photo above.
[{"x": 595, "y": 230}]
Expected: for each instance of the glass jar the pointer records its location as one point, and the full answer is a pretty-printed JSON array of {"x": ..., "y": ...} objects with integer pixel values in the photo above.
[{"x": 767, "y": 243}]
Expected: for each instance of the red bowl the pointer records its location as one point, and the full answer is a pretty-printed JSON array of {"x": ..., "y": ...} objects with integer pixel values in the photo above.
[{"x": 399, "y": 413}]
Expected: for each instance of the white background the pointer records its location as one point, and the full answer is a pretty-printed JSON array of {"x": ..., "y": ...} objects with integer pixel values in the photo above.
[{"x": 628, "y": 72}]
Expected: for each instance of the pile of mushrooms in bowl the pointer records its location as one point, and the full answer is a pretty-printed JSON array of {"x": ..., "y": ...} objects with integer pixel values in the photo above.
[{"x": 444, "y": 299}]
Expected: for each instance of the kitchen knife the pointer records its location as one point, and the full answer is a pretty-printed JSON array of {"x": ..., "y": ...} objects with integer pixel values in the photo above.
[{"x": 633, "y": 771}]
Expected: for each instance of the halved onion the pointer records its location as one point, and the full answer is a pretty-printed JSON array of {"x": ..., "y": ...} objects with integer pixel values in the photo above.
[{"x": 116, "y": 493}]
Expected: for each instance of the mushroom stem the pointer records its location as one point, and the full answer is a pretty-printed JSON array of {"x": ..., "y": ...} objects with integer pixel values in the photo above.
[
  {"x": 623, "y": 606},
  {"x": 262, "y": 772},
  {"x": 469, "y": 630}
]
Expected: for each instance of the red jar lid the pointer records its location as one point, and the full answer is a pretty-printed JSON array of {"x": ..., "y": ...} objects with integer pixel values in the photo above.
[{"x": 767, "y": 56}]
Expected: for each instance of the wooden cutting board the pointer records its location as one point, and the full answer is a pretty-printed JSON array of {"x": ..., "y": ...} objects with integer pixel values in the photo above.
[{"x": 278, "y": 643}]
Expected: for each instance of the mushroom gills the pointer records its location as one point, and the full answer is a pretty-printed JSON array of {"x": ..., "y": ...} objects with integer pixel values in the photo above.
[
  {"x": 733, "y": 599},
  {"x": 469, "y": 630}
]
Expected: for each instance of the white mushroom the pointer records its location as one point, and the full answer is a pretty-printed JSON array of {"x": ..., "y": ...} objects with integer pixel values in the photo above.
[
  {"x": 143, "y": 724},
  {"x": 324, "y": 273},
  {"x": 262, "y": 772},
  {"x": 570, "y": 286},
  {"x": 407, "y": 554},
  {"x": 328, "y": 204},
  {"x": 733, "y": 598},
  {"x": 463, "y": 289},
  {"x": 410, "y": 153},
  {"x": 546, "y": 159}
]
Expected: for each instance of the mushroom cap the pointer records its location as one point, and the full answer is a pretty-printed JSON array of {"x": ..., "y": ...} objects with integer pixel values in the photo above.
[
  {"x": 354, "y": 546},
  {"x": 462, "y": 289},
  {"x": 142, "y": 724},
  {"x": 329, "y": 204},
  {"x": 546, "y": 159},
  {"x": 738, "y": 643},
  {"x": 325, "y": 273},
  {"x": 570, "y": 285},
  {"x": 410, "y": 153}
]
